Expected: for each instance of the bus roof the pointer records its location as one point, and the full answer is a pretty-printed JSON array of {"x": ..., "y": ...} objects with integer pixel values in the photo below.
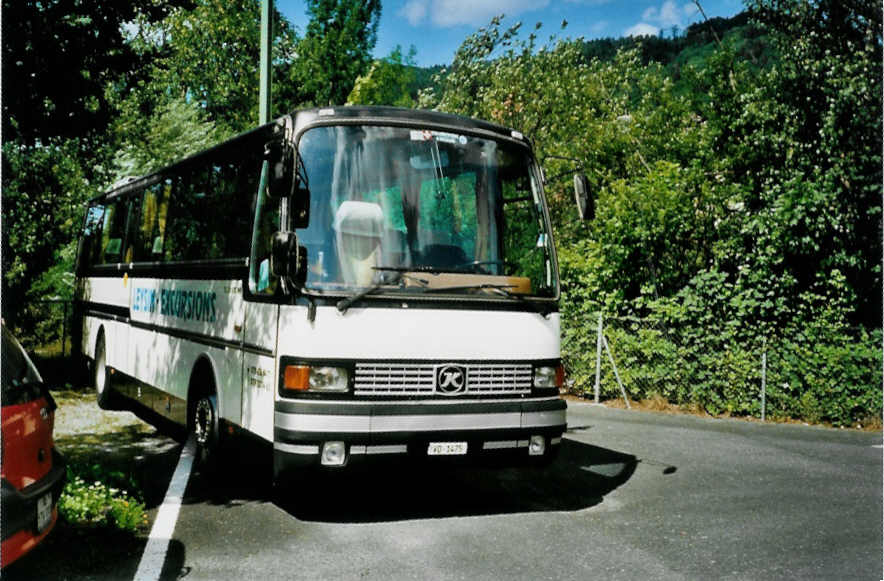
[
  {"x": 303, "y": 117},
  {"x": 377, "y": 114}
]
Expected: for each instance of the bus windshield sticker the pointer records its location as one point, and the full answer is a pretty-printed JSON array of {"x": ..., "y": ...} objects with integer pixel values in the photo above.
[{"x": 439, "y": 136}]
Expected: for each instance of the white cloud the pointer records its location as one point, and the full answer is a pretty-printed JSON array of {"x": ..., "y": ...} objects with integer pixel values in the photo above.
[
  {"x": 414, "y": 11},
  {"x": 448, "y": 13},
  {"x": 667, "y": 15},
  {"x": 642, "y": 29}
]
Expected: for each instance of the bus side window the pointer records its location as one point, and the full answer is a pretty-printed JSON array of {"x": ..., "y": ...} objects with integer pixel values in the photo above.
[
  {"x": 92, "y": 234},
  {"x": 235, "y": 183},
  {"x": 113, "y": 231},
  {"x": 521, "y": 234},
  {"x": 150, "y": 226},
  {"x": 184, "y": 231},
  {"x": 211, "y": 208}
]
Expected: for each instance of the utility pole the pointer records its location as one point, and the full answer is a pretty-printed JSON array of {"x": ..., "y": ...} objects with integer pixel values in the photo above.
[{"x": 264, "y": 95}]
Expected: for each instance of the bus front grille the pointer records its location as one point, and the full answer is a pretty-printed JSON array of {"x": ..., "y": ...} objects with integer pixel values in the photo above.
[{"x": 420, "y": 378}]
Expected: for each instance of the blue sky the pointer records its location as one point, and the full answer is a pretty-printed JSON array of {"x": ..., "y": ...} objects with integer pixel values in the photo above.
[{"x": 437, "y": 27}]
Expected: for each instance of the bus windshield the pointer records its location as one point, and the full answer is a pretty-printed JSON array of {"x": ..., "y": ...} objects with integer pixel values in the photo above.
[{"x": 423, "y": 210}]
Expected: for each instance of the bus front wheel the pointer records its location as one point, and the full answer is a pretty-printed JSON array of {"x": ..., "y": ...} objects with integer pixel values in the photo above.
[{"x": 205, "y": 431}]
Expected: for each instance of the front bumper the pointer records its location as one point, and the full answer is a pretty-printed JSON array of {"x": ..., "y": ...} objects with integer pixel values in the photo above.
[{"x": 491, "y": 428}]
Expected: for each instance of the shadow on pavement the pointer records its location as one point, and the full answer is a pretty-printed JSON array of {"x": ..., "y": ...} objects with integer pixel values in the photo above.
[
  {"x": 244, "y": 478},
  {"x": 580, "y": 478},
  {"x": 78, "y": 553},
  {"x": 173, "y": 566},
  {"x": 146, "y": 458}
]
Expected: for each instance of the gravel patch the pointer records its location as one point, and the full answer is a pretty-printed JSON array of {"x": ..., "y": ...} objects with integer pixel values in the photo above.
[{"x": 78, "y": 413}]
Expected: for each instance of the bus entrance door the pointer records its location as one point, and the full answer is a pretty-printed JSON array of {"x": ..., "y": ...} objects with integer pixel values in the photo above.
[{"x": 259, "y": 367}]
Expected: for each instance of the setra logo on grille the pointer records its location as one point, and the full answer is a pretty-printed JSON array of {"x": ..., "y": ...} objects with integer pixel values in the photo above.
[{"x": 451, "y": 379}]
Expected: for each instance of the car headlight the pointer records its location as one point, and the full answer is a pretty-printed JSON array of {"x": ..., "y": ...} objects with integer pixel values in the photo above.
[
  {"x": 549, "y": 377},
  {"x": 326, "y": 378}
]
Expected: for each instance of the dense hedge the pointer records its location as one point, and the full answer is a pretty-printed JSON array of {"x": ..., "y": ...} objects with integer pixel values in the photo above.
[{"x": 704, "y": 348}]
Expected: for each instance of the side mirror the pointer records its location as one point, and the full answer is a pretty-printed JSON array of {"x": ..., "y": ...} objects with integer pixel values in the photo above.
[
  {"x": 583, "y": 197},
  {"x": 285, "y": 181},
  {"x": 83, "y": 248},
  {"x": 282, "y": 169},
  {"x": 288, "y": 260}
]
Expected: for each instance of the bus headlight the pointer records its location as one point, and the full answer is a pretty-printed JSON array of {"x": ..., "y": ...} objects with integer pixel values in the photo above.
[
  {"x": 549, "y": 377},
  {"x": 325, "y": 379},
  {"x": 334, "y": 379}
]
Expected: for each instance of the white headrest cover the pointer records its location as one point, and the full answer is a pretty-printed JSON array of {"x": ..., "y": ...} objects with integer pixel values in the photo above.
[{"x": 359, "y": 219}]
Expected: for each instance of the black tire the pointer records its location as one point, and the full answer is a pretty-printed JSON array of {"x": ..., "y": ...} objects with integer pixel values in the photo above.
[
  {"x": 206, "y": 432},
  {"x": 101, "y": 376}
]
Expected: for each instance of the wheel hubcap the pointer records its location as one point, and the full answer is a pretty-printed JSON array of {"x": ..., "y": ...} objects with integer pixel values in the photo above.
[
  {"x": 99, "y": 374},
  {"x": 203, "y": 420}
]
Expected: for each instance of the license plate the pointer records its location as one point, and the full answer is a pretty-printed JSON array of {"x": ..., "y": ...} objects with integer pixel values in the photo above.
[
  {"x": 44, "y": 511},
  {"x": 447, "y": 449}
]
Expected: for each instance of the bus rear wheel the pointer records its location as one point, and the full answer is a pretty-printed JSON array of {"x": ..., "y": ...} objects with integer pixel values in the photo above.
[{"x": 103, "y": 391}]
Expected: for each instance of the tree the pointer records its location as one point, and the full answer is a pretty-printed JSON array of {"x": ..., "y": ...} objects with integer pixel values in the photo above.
[
  {"x": 209, "y": 57},
  {"x": 62, "y": 64},
  {"x": 387, "y": 82},
  {"x": 735, "y": 202},
  {"x": 804, "y": 138},
  {"x": 60, "y": 58},
  {"x": 176, "y": 130},
  {"x": 632, "y": 132},
  {"x": 335, "y": 50}
]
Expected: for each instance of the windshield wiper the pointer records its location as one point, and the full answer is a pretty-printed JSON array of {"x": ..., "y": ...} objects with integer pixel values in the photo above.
[
  {"x": 399, "y": 277},
  {"x": 500, "y": 289},
  {"x": 416, "y": 268}
]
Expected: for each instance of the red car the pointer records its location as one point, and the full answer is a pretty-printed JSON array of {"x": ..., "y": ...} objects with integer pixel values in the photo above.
[{"x": 33, "y": 472}]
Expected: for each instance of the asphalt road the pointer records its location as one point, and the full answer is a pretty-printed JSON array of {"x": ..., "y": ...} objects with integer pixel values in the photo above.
[{"x": 633, "y": 495}]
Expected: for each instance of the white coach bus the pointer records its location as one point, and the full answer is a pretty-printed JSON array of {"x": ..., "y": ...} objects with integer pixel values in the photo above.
[{"x": 342, "y": 283}]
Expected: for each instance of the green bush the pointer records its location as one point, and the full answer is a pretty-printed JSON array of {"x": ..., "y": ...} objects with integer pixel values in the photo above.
[
  {"x": 835, "y": 379},
  {"x": 90, "y": 499},
  {"x": 701, "y": 348}
]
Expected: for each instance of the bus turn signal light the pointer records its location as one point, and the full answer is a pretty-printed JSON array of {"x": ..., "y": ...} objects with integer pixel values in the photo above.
[{"x": 297, "y": 378}]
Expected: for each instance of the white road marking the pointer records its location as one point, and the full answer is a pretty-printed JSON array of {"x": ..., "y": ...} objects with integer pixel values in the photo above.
[{"x": 151, "y": 565}]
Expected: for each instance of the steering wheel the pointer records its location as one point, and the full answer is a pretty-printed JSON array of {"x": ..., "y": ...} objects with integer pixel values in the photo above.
[{"x": 508, "y": 267}]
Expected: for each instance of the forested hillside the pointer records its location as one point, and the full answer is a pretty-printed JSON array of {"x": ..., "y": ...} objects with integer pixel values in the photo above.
[{"x": 737, "y": 166}]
